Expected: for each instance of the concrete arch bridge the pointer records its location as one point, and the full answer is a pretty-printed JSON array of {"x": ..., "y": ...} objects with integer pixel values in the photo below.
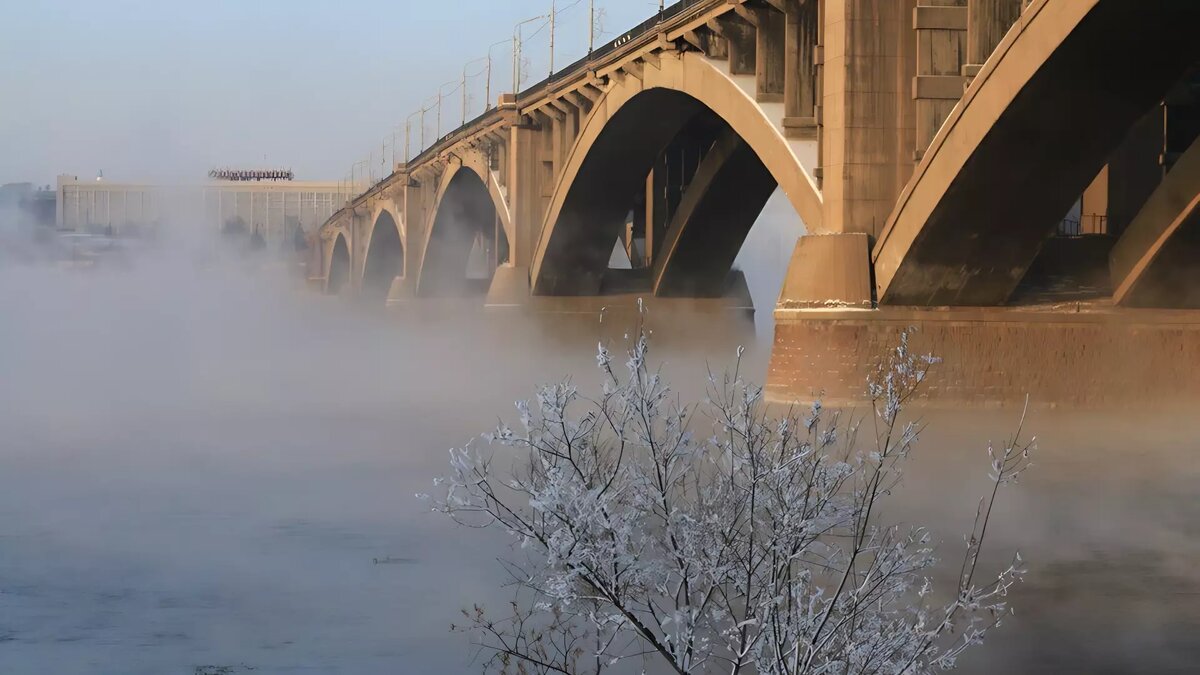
[{"x": 1015, "y": 178}]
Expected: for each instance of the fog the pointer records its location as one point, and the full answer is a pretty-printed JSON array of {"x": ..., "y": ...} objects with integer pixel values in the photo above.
[
  {"x": 200, "y": 466},
  {"x": 203, "y": 464}
]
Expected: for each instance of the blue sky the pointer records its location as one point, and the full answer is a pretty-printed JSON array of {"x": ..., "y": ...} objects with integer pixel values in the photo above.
[{"x": 166, "y": 90}]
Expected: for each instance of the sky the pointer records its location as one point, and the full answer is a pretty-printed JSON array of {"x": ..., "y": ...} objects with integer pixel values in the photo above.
[{"x": 168, "y": 89}]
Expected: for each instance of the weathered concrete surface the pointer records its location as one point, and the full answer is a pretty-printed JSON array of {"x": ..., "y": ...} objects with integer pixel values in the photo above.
[
  {"x": 1016, "y": 152},
  {"x": 930, "y": 147},
  {"x": 383, "y": 266},
  {"x": 338, "y": 264},
  {"x": 1155, "y": 262},
  {"x": 637, "y": 117},
  {"x": 722, "y": 203},
  {"x": 828, "y": 270},
  {"x": 465, "y": 213},
  {"x": 1094, "y": 357}
]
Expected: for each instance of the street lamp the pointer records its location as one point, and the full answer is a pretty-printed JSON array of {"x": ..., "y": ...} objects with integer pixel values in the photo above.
[
  {"x": 439, "y": 108},
  {"x": 408, "y": 133},
  {"x": 463, "y": 84},
  {"x": 553, "y": 14},
  {"x": 362, "y": 162},
  {"x": 487, "y": 87},
  {"x": 425, "y": 107},
  {"x": 517, "y": 52}
]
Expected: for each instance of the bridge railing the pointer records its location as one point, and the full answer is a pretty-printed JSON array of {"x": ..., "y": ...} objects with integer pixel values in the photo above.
[
  {"x": 679, "y": 10},
  {"x": 1083, "y": 225},
  {"x": 644, "y": 28},
  {"x": 598, "y": 55}
]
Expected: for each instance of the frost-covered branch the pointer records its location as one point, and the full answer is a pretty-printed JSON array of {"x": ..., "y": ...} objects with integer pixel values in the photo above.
[{"x": 752, "y": 547}]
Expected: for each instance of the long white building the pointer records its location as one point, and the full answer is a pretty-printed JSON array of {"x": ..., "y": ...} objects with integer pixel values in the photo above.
[{"x": 273, "y": 208}]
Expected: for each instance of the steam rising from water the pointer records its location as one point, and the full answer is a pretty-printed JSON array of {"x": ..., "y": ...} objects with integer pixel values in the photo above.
[{"x": 202, "y": 463}]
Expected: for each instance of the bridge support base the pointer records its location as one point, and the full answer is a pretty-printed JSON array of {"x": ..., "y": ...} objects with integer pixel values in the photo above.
[
  {"x": 1072, "y": 357},
  {"x": 509, "y": 289},
  {"x": 398, "y": 291},
  {"x": 828, "y": 270}
]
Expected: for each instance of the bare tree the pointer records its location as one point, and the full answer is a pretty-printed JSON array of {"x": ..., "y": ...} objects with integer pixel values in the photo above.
[{"x": 754, "y": 550}]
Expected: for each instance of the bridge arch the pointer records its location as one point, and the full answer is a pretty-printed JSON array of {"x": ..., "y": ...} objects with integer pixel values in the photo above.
[
  {"x": 338, "y": 277},
  {"x": 1153, "y": 264},
  {"x": 466, "y": 236},
  {"x": 1051, "y": 104},
  {"x": 635, "y": 119},
  {"x": 384, "y": 261}
]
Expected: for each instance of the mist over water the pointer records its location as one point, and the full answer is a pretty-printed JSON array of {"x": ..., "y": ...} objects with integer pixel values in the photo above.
[{"x": 202, "y": 464}]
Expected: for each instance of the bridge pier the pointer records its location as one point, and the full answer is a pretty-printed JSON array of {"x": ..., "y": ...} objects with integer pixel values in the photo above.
[
  {"x": 509, "y": 288},
  {"x": 1075, "y": 356}
]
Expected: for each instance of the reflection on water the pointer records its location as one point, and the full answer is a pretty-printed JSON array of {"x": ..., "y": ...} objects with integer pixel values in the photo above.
[{"x": 214, "y": 474}]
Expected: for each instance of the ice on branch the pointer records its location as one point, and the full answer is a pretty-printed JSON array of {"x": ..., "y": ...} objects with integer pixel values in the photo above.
[{"x": 752, "y": 546}]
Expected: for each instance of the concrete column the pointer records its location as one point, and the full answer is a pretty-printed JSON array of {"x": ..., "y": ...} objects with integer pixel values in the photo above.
[
  {"x": 742, "y": 41},
  {"x": 987, "y": 23},
  {"x": 414, "y": 233},
  {"x": 866, "y": 120},
  {"x": 570, "y": 131},
  {"x": 941, "y": 36},
  {"x": 800, "y": 41},
  {"x": 523, "y": 170},
  {"x": 1134, "y": 170},
  {"x": 524, "y": 192},
  {"x": 656, "y": 207},
  {"x": 770, "y": 65},
  {"x": 359, "y": 227},
  {"x": 558, "y": 142}
]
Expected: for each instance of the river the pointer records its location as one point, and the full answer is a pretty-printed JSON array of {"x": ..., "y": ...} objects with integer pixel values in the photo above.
[{"x": 206, "y": 471}]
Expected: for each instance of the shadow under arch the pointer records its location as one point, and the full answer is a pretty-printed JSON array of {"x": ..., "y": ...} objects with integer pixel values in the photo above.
[
  {"x": 465, "y": 241},
  {"x": 1038, "y": 122},
  {"x": 385, "y": 257},
  {"x": 624, "y": 135},
  {"x": 724, "y": 199},
  {"x": 709, "y": 223},
  {"x": 339, "y": 266}
]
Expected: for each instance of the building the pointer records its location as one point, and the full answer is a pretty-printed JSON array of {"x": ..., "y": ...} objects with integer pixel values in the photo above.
[{"x": 272, "y": 208}]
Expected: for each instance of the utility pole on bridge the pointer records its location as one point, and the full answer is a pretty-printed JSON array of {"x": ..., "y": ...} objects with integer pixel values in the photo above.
[
  {"x": 516, "y": 87},
  {"x": 553, "y": 13}
]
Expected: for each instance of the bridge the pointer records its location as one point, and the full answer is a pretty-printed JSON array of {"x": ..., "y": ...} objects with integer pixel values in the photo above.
[{"x": 1014, "y": 178}]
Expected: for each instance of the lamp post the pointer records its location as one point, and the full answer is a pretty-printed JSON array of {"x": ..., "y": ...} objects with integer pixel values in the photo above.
[
  {"x": 439, "y": 108},
  {"x": 467, "y": 65},
  {"x": 425, "y": 107},
  {"x": 553, "y": 14},
  {"x": 517, "y": 52},
  {"x": 487, "y": 90},
  {"x": 408, "y": 134},
  {"x": 353, "y": 183},
  {"x": 487, "y": 86},
  {"x": 463, "y": 85}
]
